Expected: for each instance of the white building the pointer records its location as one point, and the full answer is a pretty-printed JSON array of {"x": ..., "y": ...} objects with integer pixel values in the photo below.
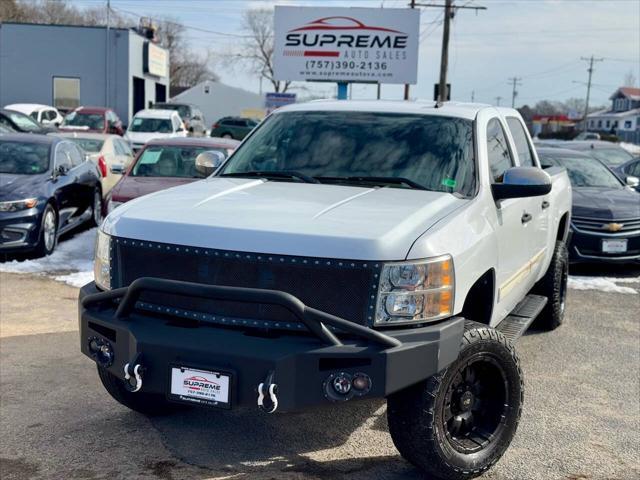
[
  {"x": 623, "y": 118},
  {"x": 217, "y": 100}
]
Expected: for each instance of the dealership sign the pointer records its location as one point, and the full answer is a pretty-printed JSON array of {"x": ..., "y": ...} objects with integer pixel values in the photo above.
[
  {"x": 346, "y": 44},
  {"x": 155, "y": 60}
]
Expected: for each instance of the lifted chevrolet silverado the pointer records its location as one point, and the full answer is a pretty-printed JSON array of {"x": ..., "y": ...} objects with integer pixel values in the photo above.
[{"x": 346, "y": 250}]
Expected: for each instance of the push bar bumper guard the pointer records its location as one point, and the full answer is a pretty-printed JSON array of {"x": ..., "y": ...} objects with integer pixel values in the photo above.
[{"x": 304, "y": 367}]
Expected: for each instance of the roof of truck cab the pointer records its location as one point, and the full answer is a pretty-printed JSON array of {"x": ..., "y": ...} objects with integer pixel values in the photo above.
[{"x": 451, "y": 109}]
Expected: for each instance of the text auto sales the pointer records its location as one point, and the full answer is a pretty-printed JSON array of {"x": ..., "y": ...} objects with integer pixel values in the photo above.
[{"x": 391, "y": 47}]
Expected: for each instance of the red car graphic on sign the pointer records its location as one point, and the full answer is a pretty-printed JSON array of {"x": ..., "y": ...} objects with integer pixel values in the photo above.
[{"x": 329, "y": 23}]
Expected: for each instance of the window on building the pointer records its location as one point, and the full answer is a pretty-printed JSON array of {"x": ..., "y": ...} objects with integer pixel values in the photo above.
[
  {"x": 66, "y": 93},
  {"x": 627, "y": 124},
  {"x": 498, "y": 150},
  {"x": 599, "y": 123},
  {"x": 592, "y": 124},
  {"x": 608, "y": 124},
  {"x": 525, "y": 153}
]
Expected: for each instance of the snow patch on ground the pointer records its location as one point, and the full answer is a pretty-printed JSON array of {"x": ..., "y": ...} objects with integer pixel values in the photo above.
[
  {"x": 603, "y": 284},
  {"x": 631, "y": 148},
  {"x": 71, "y": 262}
]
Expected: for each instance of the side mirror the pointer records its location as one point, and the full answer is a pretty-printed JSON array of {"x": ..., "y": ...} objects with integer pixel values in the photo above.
[
  {"x": 632, "y": 181},
  {"x": 209, "y": 161},
  {"x": 61, "y": 170},
  {"x": 118, "y": 169},
  {"x": 522, "y": 182}
]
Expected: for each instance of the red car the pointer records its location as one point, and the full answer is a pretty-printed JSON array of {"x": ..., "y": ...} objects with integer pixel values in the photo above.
[
  {"x": 93, "y": 119},
  {"x": 164, "y": 163}
]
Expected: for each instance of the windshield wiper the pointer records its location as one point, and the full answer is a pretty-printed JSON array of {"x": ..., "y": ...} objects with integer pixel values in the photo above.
[
  {"x": 279, "y": 174},
  {"x": 376, "y": 180}
]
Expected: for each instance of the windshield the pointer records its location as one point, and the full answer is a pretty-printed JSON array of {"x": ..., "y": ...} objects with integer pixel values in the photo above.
[
  {"x": 431, "y": 152},
  {"x": 160, "y": 125},
  {"x": 170, "y": 161},
  {"x": 94, "y": 121},
  {"x": 89, "y": 145},
  {"x": 183, "y": 110},
  {"x": 23, "y": 157},
  {"x": 583, "y": 171},
  {"x": 611, "y": 156},
  {"x": 23, "y": 122}
]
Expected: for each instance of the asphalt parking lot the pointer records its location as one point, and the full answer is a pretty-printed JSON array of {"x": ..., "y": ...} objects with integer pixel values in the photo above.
[{"x": 581, "y": 418}]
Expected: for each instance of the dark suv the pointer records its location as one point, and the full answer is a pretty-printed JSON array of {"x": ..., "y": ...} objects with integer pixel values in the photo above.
[
  {"x": 233, "y": 127},
  {"x": 190, "y": 114}
]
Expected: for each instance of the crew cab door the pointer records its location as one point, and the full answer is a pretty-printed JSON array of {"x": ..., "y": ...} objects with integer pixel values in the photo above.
[
  {"x": 513, "y": 226},
  {"x": 539, "y": 206}
]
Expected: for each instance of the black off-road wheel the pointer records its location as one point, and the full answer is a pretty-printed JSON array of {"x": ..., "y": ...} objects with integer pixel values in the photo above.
[
  {"x": 554, "y": 286},
  {"x": 458, "y": 423},
  {"x": 149, "y": 404}
]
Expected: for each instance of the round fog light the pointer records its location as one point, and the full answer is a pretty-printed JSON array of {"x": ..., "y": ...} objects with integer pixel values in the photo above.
[{"x": 361, "y": 383}]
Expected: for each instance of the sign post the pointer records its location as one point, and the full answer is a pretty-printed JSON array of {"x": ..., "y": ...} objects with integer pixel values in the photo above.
[{"x": 367, "y": 45}]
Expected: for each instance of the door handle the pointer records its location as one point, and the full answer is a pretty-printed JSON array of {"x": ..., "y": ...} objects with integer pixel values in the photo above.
[
  {"x": 526, "y": 217},
  {"x": 545, "y": 204}
]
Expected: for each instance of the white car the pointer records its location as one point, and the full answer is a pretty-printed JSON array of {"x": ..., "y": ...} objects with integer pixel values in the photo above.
[
  {"x": 151, "y": 124},
  {"x": 344, "y": 251},
  {"x": 43, "y": 114},
  {"x": 109, "y": 152}
]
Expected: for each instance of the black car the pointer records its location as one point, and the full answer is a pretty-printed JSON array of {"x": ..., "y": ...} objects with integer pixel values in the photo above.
[
  {"x": 46, "y": 189},
  {"x": 190, "y": 114},
  {"x": 608, "y": 153},
  {"x": 630, "y": 169},
  {"x": 605, "y": 219},
  {"x": 19, "y": 122}
]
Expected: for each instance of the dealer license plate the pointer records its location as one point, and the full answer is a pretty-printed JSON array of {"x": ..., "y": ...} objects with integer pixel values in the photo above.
[
  {"x": 614, "y": 246},
  {"x": 203, "y": 387}
]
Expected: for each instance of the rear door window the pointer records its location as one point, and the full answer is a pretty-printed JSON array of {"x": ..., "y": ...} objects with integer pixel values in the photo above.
[{"x": 523, "y": 147}]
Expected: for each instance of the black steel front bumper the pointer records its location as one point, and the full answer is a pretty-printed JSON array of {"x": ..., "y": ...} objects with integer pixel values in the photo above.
[{"x": 300, "y": 364}]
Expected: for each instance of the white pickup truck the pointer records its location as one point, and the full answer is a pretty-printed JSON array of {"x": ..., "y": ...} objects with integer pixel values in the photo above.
[{"x": 346, "y": 250}]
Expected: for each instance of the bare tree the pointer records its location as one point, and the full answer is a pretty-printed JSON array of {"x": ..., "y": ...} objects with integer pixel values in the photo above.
[
  {"x": 629, "y": 79},
  {"x": 186, "y": 68},
  {"x": 257, "y": 51}
]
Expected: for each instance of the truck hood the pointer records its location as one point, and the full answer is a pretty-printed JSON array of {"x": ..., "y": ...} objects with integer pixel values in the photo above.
[{"x": 331, "y": 221}]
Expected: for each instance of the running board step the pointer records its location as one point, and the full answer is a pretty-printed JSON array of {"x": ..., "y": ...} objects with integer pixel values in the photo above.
[{"x": 522, "y": 316}]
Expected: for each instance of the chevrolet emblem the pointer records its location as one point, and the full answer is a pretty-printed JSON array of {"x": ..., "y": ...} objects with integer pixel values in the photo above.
[{"x": 613, "y": 227}]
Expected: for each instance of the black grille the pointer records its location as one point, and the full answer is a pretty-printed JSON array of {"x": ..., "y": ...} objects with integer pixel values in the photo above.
[{"x": 345, "y": 288}]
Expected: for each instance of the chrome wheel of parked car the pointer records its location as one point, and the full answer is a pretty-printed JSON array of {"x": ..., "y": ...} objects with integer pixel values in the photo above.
[{"x": 48, "y": 232}]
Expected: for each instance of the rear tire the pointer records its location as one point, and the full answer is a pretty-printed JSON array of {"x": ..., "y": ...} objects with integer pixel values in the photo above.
[
  {"x": 458, "y": 423},
  {"x": 96, "y": 209},
  {"x": 554, "y": 286},
  {"x": 227, "y": 135},
  {"x": 150, "y": 404}
]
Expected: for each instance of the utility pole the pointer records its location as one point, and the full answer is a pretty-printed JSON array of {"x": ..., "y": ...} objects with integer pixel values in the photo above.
[
  {"x": 591, "y": 60},
  {"x": 106, "y": 56},
  {"x": 515, "y": 82},
  {"x": 444, "y": 53},
  {"x": 498, "y": 98},
  {"x": 449, "y": 11},
  {"x": 473, "y": 96},
  {"x": 406, "y": 85}
]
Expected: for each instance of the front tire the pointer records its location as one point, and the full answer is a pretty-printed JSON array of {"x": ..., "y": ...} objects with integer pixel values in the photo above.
[
  {"x": 149, "y": 404},
  {"x": 458, "y": 423},
  {"x": 48, "y": 232},
  {"x": 554, "y": 286},
  {"x": 96, "y": 209},
  {"x": 227, "y": 135}
]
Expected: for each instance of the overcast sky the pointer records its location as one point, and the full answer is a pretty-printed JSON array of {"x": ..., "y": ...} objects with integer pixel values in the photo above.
[{"x": 540, "y": 41}]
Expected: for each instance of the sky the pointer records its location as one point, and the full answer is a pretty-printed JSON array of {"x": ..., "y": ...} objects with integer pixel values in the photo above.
[{"x": 539, "y": 41}]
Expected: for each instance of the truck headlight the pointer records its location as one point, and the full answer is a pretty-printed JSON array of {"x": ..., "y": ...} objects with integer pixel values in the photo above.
[
  {"x": 415, "y": 291},
  {"x": 102, "y": 261}
]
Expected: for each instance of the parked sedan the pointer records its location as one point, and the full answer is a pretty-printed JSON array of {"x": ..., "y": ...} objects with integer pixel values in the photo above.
[
  {"x": 605, "y": 221},
  {"x": 629, "y": 172},
  {"x": 106, "y": 151},
  {"x": 151, "y": 124},
  {"x": 165, "y": 163},
  {"x": 43, "y": 114},
  {"x": 233, "y": 127},
  {"x": 19, "y": 122},
  {"x": 93, "y": 119},
  {"x": 46, "y": 189}
]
